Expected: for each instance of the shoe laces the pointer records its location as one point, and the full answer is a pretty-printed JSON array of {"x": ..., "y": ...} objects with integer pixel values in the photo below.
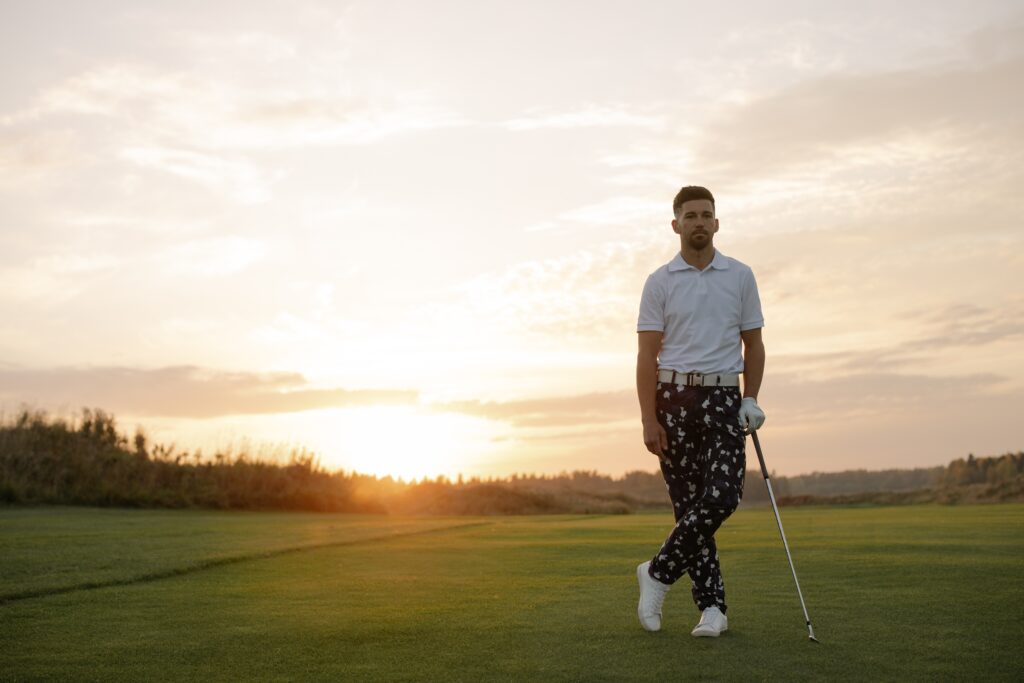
[{"x": 658, "y": 596}]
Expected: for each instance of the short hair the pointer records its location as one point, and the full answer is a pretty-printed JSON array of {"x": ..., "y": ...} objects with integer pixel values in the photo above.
[{"x": 689, "y": 193}]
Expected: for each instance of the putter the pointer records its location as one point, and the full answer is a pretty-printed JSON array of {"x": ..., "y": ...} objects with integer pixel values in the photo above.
[{"x": 775, "y": 507}]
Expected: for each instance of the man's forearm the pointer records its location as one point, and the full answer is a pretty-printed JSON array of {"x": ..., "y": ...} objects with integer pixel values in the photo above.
[
  {"x": 753, "y": 368},
  {"x": 646, "y": 386}
]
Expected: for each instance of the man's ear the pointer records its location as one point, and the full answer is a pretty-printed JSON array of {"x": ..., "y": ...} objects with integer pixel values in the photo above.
[{"x": 675, "y": 226}]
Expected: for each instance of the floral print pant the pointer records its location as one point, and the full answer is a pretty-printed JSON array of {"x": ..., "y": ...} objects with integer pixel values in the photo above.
[{"x": 703, "y": 470}]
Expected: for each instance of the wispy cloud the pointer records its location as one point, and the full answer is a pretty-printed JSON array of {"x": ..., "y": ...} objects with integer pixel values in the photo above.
[
  {"x": 183, "y": 391},
  {"x": 589, "y": 116},
  {"x": 619, "y": 211},
  {"x": 243, "y": 180},
  {"x": 933, "y": 335},
  {"x": 872, "y": 393},
  {"x": 564, "y": 411},
  {"x": 191, "y": 109},
  {"x": 827, "y": 134},
  {"x": 201, "y": 128},
  {"x": 854, "y": 120},
  {"x": 211, "y": 256},
  {"x": 54, "y": 279},
  {"x": 297, "y": 122},
  {"x": 588, "y": 294},
  {"x": 248, "y": 46},
  {"x": 27, "y": 153},
  {"x": 972, "y": 324},
  {"x": 110, "y": 90}
]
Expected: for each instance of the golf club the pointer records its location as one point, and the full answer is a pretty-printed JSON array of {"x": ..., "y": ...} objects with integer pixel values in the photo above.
[{"x": 771, "y": 495}]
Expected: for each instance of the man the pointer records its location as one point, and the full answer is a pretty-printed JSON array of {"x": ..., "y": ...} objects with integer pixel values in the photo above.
[{"x": 694, "y": 313}]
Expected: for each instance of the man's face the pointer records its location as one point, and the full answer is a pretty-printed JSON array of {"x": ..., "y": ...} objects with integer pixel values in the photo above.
[{"x": 696, "y": 223}]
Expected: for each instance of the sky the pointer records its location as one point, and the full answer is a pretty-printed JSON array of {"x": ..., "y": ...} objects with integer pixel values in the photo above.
[{"x": 410, "y": 237}]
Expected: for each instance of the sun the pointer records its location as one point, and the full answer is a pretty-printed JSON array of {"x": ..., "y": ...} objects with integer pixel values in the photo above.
[{"x": 404, "y": 442}]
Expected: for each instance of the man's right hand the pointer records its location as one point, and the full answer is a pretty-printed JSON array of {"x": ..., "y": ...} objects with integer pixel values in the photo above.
[{"x": 656, "y": 439}]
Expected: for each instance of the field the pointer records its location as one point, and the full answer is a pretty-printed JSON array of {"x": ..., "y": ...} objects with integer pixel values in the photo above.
[{"x": 911, "y": 592}]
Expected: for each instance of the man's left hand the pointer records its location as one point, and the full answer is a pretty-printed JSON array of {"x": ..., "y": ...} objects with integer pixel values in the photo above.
[{"x": 751, "y": 415}]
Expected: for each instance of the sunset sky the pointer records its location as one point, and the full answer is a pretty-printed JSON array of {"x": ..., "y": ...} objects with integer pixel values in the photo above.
[{"x": 411, "y": 236}]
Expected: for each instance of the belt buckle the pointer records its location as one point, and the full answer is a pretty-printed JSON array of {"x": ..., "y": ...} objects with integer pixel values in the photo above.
[{"x": 694, "y": 379}]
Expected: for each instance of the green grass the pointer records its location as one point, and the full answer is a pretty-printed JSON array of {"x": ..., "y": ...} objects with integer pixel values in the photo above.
[{"x": 911, "y": 592}]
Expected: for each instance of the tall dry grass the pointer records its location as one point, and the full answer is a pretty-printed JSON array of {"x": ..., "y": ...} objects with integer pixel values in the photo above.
[{"x": 52, "y": 460}]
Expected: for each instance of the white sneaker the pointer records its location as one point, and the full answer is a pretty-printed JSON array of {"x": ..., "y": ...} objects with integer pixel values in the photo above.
[
  {"x": 652, "y": 595},
  {"x": 712, "y": 622}
]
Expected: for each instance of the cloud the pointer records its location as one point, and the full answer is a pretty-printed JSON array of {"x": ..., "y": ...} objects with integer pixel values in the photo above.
[
  {"x": 185, "y": 391},
  {"x": 204, "y": 129},
  {"x": 881, "y": 419},
  {"x": 997, "y": 42},
  {"x": 867, "y": 119},
  {"x": 109, "y": 90},
  {"x": 617, "y": 211},
  {"x": 287, "y": 121},
  {"x": 620, "y": 210},
  {"x": 53, "y": 279},
  {"x": 588, "y": 294},
  {"x": 211, "y": 257},
  {"x": 588, "y": 116},
  {"x": 188, "y": 111},
  {"x": 257, "y": 47},
  {"x": 564, "y": 411},
  {"x": 930, "y": 334},
  {"x": 971, "y": 324},
  {"x": 832, "y": 134},
  {"x": 873, "y": 393},
  {"x": 26, "y": 154},
  {"x": 240, "y": 179}
]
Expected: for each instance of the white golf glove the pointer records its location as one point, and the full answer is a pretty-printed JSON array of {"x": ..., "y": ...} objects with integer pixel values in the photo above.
[{"x": 751, "y": 415}]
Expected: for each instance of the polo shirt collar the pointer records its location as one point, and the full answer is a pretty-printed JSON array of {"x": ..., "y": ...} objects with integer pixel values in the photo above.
[{"x": 719, "y": 262}]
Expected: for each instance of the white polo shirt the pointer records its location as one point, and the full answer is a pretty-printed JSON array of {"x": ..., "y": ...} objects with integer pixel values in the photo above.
[{"x": 701, "y": 313}]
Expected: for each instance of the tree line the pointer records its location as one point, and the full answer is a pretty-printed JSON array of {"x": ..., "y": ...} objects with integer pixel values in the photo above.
[{"x": 44, "y": 460}]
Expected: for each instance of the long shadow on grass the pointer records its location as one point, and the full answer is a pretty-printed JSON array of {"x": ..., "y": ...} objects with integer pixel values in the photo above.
[{"x": 218, "y": 562}]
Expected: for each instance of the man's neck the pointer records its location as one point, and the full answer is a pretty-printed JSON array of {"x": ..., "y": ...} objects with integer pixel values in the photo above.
[{"x": 699, "y": 258}]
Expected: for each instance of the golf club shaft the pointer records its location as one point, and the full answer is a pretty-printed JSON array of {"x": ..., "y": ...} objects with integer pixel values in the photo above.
[{"x": 785, "y": 543}]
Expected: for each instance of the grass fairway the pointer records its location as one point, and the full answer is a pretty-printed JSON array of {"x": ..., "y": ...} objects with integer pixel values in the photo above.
[{"x": 918, "y": 592}]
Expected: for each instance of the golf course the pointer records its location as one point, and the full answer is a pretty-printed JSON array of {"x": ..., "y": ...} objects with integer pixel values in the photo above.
[{"x": 918, "y": 592}]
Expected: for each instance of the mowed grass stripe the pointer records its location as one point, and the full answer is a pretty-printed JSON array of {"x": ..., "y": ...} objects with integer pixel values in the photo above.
[
  {"x": 54, "y": 550},
  {"x": 219, "y": 562}
]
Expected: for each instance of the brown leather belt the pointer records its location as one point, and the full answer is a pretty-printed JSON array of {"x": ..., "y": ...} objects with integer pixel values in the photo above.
[{"x": 696, "y": 379}]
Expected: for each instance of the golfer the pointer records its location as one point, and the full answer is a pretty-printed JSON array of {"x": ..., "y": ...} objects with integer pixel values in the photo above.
[{"x": 694, "y": 313}]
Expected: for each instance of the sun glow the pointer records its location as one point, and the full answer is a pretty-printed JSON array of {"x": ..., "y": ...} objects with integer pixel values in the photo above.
[{"x": 405, "y": 442}]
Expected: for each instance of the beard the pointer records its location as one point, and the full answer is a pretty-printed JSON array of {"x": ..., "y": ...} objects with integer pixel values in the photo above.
[{"x": 698, "y": 241}]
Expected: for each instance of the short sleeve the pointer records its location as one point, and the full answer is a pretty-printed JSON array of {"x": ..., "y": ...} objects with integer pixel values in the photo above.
[
  {"x": 652, "y": 307},
  {"x": 751, "y": 317}
]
